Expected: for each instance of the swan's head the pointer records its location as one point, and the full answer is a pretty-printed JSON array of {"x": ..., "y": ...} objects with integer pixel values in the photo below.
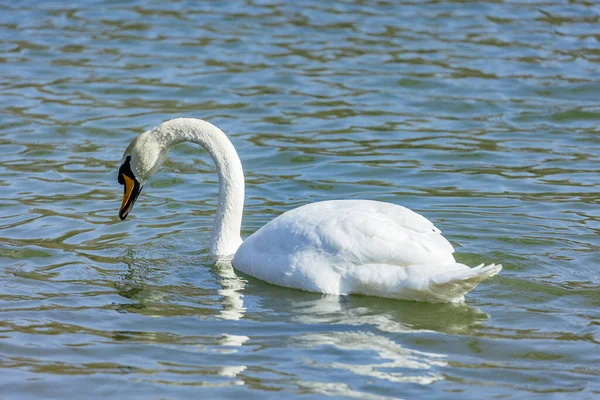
[{"x": 141, "y": 160}]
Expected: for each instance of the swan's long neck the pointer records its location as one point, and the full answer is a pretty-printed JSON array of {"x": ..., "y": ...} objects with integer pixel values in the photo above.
[{"x": 225, "y": 238}]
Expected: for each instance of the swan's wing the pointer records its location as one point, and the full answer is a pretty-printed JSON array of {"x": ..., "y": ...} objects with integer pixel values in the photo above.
[
  {"x": 369, "y": 232},
  {"x": 351, "y": 232}
]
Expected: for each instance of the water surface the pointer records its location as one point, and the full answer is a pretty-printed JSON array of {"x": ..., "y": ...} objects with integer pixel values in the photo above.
[{"x": 482, "y": 116}]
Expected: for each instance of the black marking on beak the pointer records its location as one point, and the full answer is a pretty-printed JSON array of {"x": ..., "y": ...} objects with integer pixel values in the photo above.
[{"x": 131, "y": 189}]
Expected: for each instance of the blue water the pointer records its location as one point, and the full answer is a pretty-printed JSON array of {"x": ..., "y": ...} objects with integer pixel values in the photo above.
[{"x": 482, "y": 116}]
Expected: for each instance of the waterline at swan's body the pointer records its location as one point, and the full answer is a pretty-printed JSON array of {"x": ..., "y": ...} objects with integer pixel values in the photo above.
[{"x": 337, "y": 247}]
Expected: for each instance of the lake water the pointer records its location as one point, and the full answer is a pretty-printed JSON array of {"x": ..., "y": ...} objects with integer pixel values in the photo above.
[{"x": 482, "y": 116}]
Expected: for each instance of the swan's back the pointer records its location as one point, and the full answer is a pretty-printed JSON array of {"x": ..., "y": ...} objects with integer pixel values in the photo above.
[{"x": 352, "y": 246}]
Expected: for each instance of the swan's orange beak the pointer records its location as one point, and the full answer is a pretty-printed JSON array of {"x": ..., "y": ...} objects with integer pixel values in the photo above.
[{"x": 131, "y": 191}]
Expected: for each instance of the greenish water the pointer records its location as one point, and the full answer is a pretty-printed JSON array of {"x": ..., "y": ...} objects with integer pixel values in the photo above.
[{"x": 483, "y": 116}]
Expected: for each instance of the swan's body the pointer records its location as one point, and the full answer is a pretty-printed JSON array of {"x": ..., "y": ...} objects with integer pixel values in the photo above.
[
  {"x": 336, "y": 247},
  {"x": 358, "y": 246}
]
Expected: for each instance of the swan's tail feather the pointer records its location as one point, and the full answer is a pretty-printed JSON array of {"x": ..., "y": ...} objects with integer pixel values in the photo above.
[{"x": 453, "y": 285}]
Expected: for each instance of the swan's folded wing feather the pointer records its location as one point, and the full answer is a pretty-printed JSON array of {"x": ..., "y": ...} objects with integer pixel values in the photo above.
[{"x": 385, "y": 233}]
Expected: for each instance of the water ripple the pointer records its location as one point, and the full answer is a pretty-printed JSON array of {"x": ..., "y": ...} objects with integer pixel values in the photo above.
[{"x": 480, "y": 115}]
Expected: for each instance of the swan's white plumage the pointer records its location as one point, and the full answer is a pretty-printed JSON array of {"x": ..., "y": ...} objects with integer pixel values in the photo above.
[{"x": 336, "y": 247}]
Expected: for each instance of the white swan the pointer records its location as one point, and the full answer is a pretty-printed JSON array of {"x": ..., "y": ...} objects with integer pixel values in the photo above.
[{"x": 336, "y": 247}]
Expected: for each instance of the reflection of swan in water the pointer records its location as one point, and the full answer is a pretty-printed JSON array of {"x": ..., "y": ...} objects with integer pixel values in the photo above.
[
  {"x": 370, "y": 330},
  {"x": 136, "y": 285},
  {"x": 411, "y": 365},
  {"x": 394, "y": 363},
  {"x": 231, "y": 291},
  {"x": 390, "y": 316},
  {"x": 397, "y": 363}
]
